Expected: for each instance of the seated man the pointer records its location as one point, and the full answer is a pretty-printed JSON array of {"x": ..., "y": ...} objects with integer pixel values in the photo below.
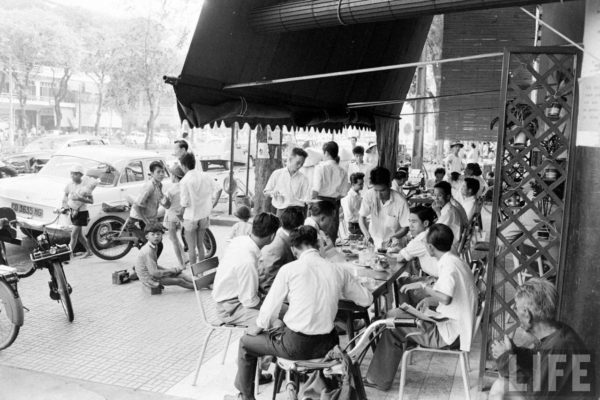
[
  {"x": 279, "y": 252},
  {"x": 468, "y": 198},
  {"x": 313, "y": 287},
  {"x": 148, "y": 271},
  {"x": 439, "y": 175},
  {"x": 572, "y": 377},
  {"x": 400, "y": 178},
  {"x": 235, "y": 289},
  {"x": 420, "y": 219},
  {"x": 446, "y": 212},
  {"x": 455, "y": 295},
  {"x": 321, "y": 217},
  {"x": 351, "y": 203}
]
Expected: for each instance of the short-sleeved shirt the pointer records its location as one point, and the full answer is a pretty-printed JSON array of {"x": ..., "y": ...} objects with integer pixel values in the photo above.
[
  {"x": 148, "y": 201},
  {"x": 386, "y": 218},
  {"x": 173, "y": 214},
  {"x": 451, "y": 217},
  {"x": 330, "y": 180},
  {"x": 454, "y": 163},
  {"x": 456, "y": 280},
  {"x": 416, "y": 249},
  {"x": 364, "y": 168},
  {"x": 147, "y": 264},
  {"x": 295, "y": 189},
  {"x": 351, "y": 206},
  {"x": 87, "y": 185}
]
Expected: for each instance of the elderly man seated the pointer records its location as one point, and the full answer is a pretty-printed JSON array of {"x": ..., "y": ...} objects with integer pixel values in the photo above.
[
  {"x": 313, "y": 287},
  {"x": 455, "y": 295},
  {"x": 559, "y": 366},
  {"x": 279, "y": 252},
  {"x": 235, "y": 289}
]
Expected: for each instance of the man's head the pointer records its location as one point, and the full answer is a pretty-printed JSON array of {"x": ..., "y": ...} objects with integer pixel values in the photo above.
[
  {"x": 353, "y": 141},
  {"x": 296, "y": 159},
  {"x": 157, "y": 171},
  {"x": 154, "y": 233},
  {"x": 322, "y": 212},
  {"x": 455, "y": 147},
  {"x": 473, "y": 169},
  {"x": 439, "y": 174},
  {"x": 359, "y": 154},
  {"x": 420, "y": 219},
  {"x": 180, "y": 147},
  {"x": 442, "y": 193},
  {"x": 470, "y": 187},
  {"x": 473, "y": 146},
  {"x": 264, "y": 227},
  {"x": 331, "y": 150},
  {"x": 535, "y": 303},
  {"x": 77, "y": 173},
  {"x": 304, "y": 238},
  {"x": 291, "y": 218},
  {"x": 177, "y": 173},
  {"x": 439, "y": 240},
  {"x": 188, "y": 162},
  {"x": 454, "y": 176},
  {"x": 243, "y": 213},
  {"x": 357, "y": 180},
  {"x": 380, "y": 180},
  {"x": 400, "y": 177}
]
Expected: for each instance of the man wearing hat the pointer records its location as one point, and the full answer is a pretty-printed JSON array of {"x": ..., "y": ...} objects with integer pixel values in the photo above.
[
  {"x": 454, "y": 162},
  {"x": 150, "y": 273},
  {"x": 78, "y": 194}
]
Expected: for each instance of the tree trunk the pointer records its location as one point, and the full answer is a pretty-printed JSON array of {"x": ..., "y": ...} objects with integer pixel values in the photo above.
[
  {"x": 60, "y": 94},
  {"x": 263, "y": 168},
  {"x": 99, "y": 109},
  {"x": 57, "y": 114}
]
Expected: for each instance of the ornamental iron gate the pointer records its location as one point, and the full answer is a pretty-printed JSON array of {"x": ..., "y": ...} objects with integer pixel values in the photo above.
[{"x": 536, "y": 142}]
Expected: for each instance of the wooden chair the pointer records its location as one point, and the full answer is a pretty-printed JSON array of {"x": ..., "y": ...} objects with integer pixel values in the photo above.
[
  {"x": 463, "y": 356},
  {"x": 203, "y": 275}
]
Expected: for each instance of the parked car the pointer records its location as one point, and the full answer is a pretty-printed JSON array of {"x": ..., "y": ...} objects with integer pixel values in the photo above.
[
  {"x": 121, "y": 172},
  {"x": 6, "y": 171},
  {"x": 37, "y": 153},
  {"x": 215, "y": 150}
]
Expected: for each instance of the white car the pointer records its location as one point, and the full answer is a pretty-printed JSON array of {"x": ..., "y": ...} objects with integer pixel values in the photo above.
[{"x": 121, "y": 173}]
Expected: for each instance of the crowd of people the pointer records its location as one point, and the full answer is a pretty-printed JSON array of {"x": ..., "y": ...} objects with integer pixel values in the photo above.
[{"x": 279, "y": 276}]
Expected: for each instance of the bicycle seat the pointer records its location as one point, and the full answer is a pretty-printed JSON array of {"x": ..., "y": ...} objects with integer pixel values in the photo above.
[{"x": 107, "y": 208}]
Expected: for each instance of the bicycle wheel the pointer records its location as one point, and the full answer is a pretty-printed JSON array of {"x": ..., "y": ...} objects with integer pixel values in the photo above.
[
  {"x": 104, "y": 238},
  {"x": 63, "y": 290},
  {"x": 210, "y": 244},
  {"x": 9, "y": 328}
]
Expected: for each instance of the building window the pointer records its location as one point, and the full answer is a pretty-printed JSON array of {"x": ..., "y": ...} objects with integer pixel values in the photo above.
[{"x": 46, "y": 89}]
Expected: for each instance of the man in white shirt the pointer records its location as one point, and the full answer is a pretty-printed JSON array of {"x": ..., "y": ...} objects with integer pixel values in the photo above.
[
  {"x": 387, "y": 209},
  {"x": 358, "y": 164},
  {"x": 287, "y": 186},
  {"x": 196, "y": 201},
  {"x": 321, "y": 218},
  {"x": 330, "y": 183},
  {"x": 473, "y": 154},
  {"x": 455, "y": 296},
  {"x": 468, "y": 196},
  {"x": 351, "y": 203},
  {"x": 235, "y": 289},
  {"x": 313, "y": 288},
  {"x": 446, "y": 212},
  {"x": 453, "y": 162}
]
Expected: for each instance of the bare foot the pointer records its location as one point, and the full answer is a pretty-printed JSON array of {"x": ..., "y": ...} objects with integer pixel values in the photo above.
[{"x": 87, "y": 255}]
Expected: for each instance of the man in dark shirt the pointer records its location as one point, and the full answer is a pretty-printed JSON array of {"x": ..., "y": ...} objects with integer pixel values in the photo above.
[{"x": 558, "y": 366}]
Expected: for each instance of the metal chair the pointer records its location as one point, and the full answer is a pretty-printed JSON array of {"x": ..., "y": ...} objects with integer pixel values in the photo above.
[
  {"x": 463, "y": 355},
  {"x": 203, "y": 275}
]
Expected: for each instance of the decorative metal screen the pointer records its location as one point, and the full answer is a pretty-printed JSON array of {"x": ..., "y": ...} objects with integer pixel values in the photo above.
[{"x": 534, "y": 153}]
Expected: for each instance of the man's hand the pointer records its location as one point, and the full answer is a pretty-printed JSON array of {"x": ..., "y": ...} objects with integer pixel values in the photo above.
[
  {"x": 411, "y": 286},
  {"x": 276, "y": 325},
  {"x": 254, "y": 331},
  {"x": 424, "y": 304},
  {"x": 436, "y": 207},
  {"x": 500, "y": 347}
]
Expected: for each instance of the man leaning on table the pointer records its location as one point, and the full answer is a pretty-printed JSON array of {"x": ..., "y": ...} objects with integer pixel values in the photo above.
[
  {"x": 387, "y": 209},
  {"x": 313, "y": 287},
  {"x": 455, "y": 295}
]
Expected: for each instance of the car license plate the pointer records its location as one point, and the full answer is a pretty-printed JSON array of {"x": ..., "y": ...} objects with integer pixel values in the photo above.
[{"x": 27, "y": 210}]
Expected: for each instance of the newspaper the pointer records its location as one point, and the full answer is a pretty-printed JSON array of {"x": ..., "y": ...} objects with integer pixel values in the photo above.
[{"x": 429, "y": 315}]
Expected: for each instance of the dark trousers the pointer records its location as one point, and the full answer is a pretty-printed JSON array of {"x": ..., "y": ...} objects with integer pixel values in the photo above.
[
  {"x": 354, "y": 228},
  {"x": 282, "y": 342}
]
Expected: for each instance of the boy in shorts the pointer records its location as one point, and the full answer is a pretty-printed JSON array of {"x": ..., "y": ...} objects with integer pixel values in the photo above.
[{"x": 78, "y": 194}]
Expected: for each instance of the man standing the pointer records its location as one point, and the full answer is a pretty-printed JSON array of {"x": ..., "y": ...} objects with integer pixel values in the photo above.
[
  {"x": 351, "y": 203},
  {"x": 196, "y": 201},
  {"x": 235, "y": 289},
  {"x": 387, "y": 208},
  {"x": 287, "y": 186},
  {"x": 359, "y": 164},
  {"x": 313, "y": 287},
  {"x": 453, "y": 162},
  {"x": 78, "y": 194},
  {"x": 144, "y": 209},
  {"x": 180, "y": 148},
  {"x": 330, "y": 183},
  {"x": 455, "y": 295}
]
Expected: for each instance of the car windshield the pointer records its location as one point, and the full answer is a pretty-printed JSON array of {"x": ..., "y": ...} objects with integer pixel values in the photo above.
[
  {"x": 61, "y": 165},
  {"x": 46, "y": 143}
]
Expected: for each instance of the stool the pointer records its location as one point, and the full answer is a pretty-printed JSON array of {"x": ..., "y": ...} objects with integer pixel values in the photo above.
[{"x": 152, "y": 290}]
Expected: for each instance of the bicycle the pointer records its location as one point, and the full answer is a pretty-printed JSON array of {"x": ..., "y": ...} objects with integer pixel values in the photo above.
[
  {"x": 45, "y": 254},
  {"x": 112, "y": 238}
]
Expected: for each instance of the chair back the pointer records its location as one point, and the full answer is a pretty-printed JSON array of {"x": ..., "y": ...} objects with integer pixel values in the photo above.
[
  {"x": 479, "y": 273},
  {"x": 207, "y": 267}
]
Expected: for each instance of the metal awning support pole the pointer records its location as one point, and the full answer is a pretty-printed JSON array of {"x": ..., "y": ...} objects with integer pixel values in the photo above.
[
  {"x": 248, "y": 161},
  {"x": 362, "y": 71},
  {"x": 233, "y": 128}
]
